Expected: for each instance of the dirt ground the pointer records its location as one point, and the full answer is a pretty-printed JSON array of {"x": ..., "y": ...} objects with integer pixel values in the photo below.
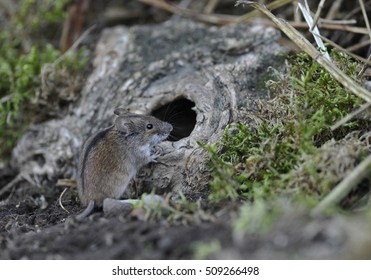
[{"x": 27, "y": 231}]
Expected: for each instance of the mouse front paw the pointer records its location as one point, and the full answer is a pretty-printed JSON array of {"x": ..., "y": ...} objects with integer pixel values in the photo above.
[{"x": 154, "y": 156}]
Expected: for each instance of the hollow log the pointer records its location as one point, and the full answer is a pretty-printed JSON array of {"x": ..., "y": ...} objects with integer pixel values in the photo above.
[{"x": 198, "y": 78}]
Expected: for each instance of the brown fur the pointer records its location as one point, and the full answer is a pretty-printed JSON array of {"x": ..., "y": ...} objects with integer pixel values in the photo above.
[{"x": 111, "y": 157}]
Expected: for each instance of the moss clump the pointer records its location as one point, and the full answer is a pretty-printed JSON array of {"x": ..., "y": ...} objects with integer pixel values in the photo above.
[
  {"x": 179, "y": 210},
  {"x": 24, "y": 51},
  {"x": 202, "y": 250},
  {"x": 286, "y": 137},
  {"x": 256, "y": 217}
]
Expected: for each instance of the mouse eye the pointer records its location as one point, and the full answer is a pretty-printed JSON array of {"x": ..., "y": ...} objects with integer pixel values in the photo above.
[{"x": 149, "y": 126}]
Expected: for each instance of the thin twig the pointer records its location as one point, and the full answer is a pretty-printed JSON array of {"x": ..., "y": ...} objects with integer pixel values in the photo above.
[
  {"x": 6, "y": 98},
  {"x": 184, "y": 4},
  {"x": 362, "y": 4},
  {"x": 334, "y": 9},
  {"x": 316, "y": 16},
  {"x": 337, "y": 21},
  {"x": 355, "y": 11},
  {"x": 210, "y": 6},
  {"x": 75, "y": 44},
  {"x": 5, "y": 201},
  {"x": 228, "y": 19},
  {"x": 353, "y": 29},
  {"x": 350, "y": 116},
  {"x": 67, "y": 183},
  {"x": 364, "y": 67},
  {"x": 365, "y": 17},
  {"x": 271, "y": 6},
  {"x": 362, "y": 171},
  {"x": 332, "y": 26},
  {"x": 49, "y": 67},
  {"x": 358, "y": 46},
  {"x": 213, "y": 18},
  {"x": 60, "y": 200},
  {"x": 12, "y": 183}
]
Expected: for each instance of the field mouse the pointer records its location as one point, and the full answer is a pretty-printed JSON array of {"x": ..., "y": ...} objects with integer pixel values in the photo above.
[{"x": 111, "y": 157}]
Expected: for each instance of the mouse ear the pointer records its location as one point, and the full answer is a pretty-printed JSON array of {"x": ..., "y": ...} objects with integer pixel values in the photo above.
[
  {"x": 124, "y": 126},
  {"x": 121, "y": 112}
]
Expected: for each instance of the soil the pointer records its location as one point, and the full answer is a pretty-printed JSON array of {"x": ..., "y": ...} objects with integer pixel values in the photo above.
[{"x": 30, "y": 229}]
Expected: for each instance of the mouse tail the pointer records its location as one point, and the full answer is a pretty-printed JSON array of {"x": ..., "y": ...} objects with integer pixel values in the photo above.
[{"x": 86, "y": 212}]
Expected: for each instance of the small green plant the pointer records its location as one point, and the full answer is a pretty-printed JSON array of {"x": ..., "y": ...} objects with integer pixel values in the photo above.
[
  {"x": 262, "y": 159},
  {"x": 23, "y": 54}
]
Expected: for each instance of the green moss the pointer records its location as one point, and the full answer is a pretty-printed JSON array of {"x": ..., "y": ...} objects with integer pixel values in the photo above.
[
  {"x": 201, "y": 250},
  {"x": 279, "y": 152},
  {"x": 32, "y": 15},
  {"x": 320, "y": 99},
  {"x": 178, "y": 210},
  {"x": 256, "y": 217},
  {"x": 23, "y": 53}
]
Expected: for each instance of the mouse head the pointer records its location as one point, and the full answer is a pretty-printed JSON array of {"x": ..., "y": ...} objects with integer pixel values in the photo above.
[{"x": 141, "y": 129}]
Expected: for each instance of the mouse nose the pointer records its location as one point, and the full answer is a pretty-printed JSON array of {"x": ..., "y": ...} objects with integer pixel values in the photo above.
[{"x": 168, "y": 127}]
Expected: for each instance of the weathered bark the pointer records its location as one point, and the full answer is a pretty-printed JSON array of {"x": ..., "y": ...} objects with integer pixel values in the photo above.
[{"x": 149, "y": 69}]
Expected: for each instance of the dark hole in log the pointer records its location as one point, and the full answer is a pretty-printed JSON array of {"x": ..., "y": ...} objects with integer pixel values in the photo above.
[
  {"x": 180, "y": 114},
  {"x": 40, "y": 159}
]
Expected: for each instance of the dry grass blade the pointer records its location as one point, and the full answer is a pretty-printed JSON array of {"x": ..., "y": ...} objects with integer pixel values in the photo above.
[
  {"x": 274, "y": 5},
  {"x": 210, "y": 6},
  {"x": 66, "y": 183},
  {"x": 60, "y": 200},
  {"x": 337, "y": 21},
  {"x": 363, "y": 170},
  {"x": 334, "y": 9},
  {"x": 208, "y": 18},
  {"x": 364, "y": 13},
  {"x": 358, "y": 46},
  {"x": 11, "y": 184},
  {"x": 316, "y": 16},
  {"x": 330, "y": 26},
  {"x": 364, "y": 67},
  {"x": 307, "y": 47},
  {"x": 366, "y": 61},
  {"x": 335, "y": 26},
  {"x": 351, "y": 116}
]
